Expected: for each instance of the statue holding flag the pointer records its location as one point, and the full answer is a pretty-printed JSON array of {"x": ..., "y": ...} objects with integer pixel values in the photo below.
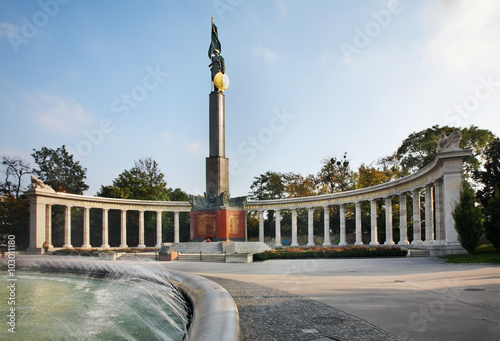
[{"x": 217, "y": 65}]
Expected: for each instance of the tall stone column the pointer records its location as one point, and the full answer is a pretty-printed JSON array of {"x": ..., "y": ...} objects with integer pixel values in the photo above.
[
  {"x": 343, "y": 241},
  {"x": 429, "y": 215},
  {"x": 326, "y": 212},
  {"x": 176, "y": 227},
  {"x": 217, "y": 166},
  {"x": 373, "y": 216},
  {"x": 294, "y": 228},
  {"x": 310, "y": 226},
  {"x": 359, "y": 230},
  {"x": 417, "y": 227},
  {"x": 403, "y": 220},
  {"x": 67, "y": 228},
  {"x": 438, "y": 192},
  {"x": 261, "y": 226},
  {"x": 158, "y": 229},
  {"x": 277, "y": 216},
  {"x": 86, "y": 228},
  {"x": 123, "y": 230},
  {"x": 141, "y": 230},
  {"x": 452, "y": 184},
  {"x": 105, "y": 233},
  {"x": 48, "y": 226},
  {"x": 388, "y": 222}
]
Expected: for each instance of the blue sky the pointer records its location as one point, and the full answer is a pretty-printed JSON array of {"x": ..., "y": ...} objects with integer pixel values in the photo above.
[{"x": 115, "y": 81}]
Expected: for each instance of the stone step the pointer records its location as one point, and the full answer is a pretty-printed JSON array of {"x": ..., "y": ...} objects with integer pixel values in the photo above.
[
  {"x": 214, "y": 258},
  {"x": 205, "y": 248},
  {"x": 418, "y": 253}
]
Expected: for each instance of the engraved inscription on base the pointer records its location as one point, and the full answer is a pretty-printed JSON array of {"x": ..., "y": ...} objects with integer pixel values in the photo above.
[
  {"x": 234, "y": 224},
  {"x": 206, "y": 225}
]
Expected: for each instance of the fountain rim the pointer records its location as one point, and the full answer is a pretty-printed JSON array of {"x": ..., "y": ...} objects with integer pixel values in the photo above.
[{"x": 215, "y": 315}]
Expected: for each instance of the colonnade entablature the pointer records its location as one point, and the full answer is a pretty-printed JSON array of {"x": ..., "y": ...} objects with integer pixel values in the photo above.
[{"x": 440, "y": 180}]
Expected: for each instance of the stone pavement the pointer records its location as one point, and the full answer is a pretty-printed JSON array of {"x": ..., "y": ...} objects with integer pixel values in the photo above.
[
  {"x": 270, "y": 314},
  {"x": 367, "y": 299}
]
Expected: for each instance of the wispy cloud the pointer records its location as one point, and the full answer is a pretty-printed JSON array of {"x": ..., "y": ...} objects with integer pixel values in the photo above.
[
  {"x": 192, "y": 147},
  {"x": 63, "y": 115},
  {"x": 266, "y": 53},
  {"x": 466, "y": 34},
  {"x": 7, "y": 29}
]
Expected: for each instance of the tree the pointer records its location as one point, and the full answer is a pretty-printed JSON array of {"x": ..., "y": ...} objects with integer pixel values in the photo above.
[
  {"x": 298, "y": 186},
  {"x": 270, "y": 185},
  {"x": 488, "y": 178},
  {"x": 468, "y": 219},
  {"x": 370, "y": 176},
  {"x": 16, "y": 168},
  {"x": 492, "y": 219},
  {"x": 419, "y": 149},
  {"x": 336, "y": 174},
  {"x": 58, "y": 170},
  {"x": 144, "y": 181}
]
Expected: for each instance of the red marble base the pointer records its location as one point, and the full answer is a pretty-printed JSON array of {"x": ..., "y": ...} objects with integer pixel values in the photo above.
[{"x": 218, "y": 225}]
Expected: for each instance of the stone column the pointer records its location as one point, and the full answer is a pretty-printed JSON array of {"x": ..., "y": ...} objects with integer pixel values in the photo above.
[
  {"x": 176, "y": 227},
  {"x": 359, "y": 230},
  {"x": 261, "y": 226},
  {"x": 438, "y": 192},
  {"x": 141, "y": 230},
  {"x": 86, "y": 228},
  {"x": 342, "y": 226},
  {"x": 429, "y": 215},
  {"x": 388, "y": 222},
  {"x": 48, "y": 225},
  {"x": 417, "y": 232},
  {"x": 38, "y": 221},
  {"x": 158, "y": 229},
  {"x": 452, "y": 184},
  {"x": 373, "y": 217},
  {"x": 294, "y": 228},
  {"x": 277, "y": 216},
  {"x": 105, "y": 234},
  {"x": 327, "y": 241},
  {"x": 67, "y": 228},
  {"x": 310, "y": 226},
  {"x": 123, "y": 232},
  {"x": 403, "y": 220}
]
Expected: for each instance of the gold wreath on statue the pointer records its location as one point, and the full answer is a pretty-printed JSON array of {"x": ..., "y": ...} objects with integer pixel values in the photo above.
[{"x": 221, "y": 81}]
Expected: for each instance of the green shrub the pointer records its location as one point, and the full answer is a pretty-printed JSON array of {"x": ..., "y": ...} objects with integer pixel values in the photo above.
[
  {"x": 468, "y": 219},
  {"x": 330, "y": 252},
  {"x": 492, "y": 220}
]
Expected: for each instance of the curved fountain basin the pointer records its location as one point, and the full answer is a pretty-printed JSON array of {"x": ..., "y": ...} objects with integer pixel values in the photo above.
[{"x": 214, "y": 316}]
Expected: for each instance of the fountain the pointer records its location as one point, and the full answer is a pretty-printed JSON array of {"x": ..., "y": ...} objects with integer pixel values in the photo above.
[{"x": 84, "y": 298}]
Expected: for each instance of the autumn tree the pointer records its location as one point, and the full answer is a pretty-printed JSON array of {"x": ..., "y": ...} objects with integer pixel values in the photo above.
[{"x": 336, "y": 174}]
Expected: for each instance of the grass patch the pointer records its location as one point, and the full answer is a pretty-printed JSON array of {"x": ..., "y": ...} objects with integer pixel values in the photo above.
[
  {"x": 329, "y": 252},
  {"x": 485, "y": 253}
]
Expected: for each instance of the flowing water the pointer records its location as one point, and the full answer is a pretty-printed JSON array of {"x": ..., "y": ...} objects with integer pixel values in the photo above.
[{"x": 129, "y": 302}]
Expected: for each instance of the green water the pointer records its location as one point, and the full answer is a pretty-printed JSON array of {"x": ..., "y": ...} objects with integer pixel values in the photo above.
[{"x": 55, "y": 307}]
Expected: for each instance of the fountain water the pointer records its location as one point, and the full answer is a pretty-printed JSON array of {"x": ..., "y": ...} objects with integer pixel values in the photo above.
[{"x": 74, "y": 298}]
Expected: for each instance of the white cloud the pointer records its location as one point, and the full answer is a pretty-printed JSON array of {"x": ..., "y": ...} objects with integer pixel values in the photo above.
[
  {"x": 193, "y": 147},
  {"x": 63, "y": 115},
  {"x": 266, "y": 53},
  {"x": 165, "y": 135},
  {"x": 7, "y": 29},
  {"x": 466, "y": 34}
]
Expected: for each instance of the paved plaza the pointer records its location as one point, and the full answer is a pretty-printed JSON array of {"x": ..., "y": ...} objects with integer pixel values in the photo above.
[{"x": 361, "y": 299}]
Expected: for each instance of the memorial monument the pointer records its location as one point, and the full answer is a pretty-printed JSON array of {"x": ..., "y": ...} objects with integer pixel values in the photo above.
[{"x": 217, "y": 216}]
